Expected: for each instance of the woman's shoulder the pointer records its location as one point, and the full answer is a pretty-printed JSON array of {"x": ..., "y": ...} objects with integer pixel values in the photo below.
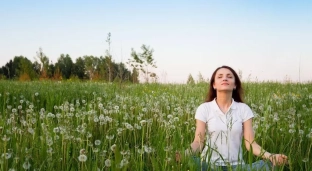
[
  {"x": 206, "y": 107},
  {"x": 242, "y": 104},
  {"x": 205, "y": 104}
]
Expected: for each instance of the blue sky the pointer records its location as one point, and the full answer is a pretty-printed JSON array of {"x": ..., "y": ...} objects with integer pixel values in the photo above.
[{"x": 266, "y": 40}]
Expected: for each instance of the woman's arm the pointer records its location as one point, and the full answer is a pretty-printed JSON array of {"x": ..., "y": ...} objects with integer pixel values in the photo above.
[
  {"x": 198, "y": 143},
  {"x": 257, "y": 150}
]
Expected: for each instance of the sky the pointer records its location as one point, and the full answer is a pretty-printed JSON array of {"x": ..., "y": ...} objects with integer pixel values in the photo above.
[{"x": 265, "y": 40}]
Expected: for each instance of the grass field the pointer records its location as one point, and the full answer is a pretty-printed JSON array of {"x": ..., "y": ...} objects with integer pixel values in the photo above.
[{"x": 99, "y": 126}]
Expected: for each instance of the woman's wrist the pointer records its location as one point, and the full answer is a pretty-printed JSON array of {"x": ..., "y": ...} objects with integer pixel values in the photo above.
[
  {"x": 190, "y": 150},
  {"x": 267, "y": 155}
]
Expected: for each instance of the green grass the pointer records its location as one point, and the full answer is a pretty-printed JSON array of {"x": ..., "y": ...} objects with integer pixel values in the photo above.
[{"x": 48, "y": 125}]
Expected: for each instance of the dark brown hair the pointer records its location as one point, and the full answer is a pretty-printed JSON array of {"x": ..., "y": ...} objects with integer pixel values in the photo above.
[{"x": 237, "y": 92}]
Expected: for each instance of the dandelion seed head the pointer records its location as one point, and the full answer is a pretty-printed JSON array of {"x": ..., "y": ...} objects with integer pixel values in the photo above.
[
  {"x": 89, "y": 134},
  {"x": 6, "y": 155},
  {"x": 72, "y": 109},
  {"x": 95, "y": 150},
  {"x": 97, "y": 142},
  {"x": 168, "y": 159},
  {"x": 113, "y": 147},
  {"x": 26, "y": 165},
  {"x": 5, "y": 138},
  {"x": 31, "y": 131},
  {"x": 82, "y": 158},
  {"x": 56, "y": 130},
  {"x": 14, "y": 110},
  {"x": 123, "y": 162},
  {"x": 142, "y": 122},
  {"x": 292, "y": 131},
  {"x": 49, "y": 141},
  {"x": 169, "y": 116},
  {"x": 56, "y": 137},
  {"x": 301, "y": 132},
  {"x": 128, "y": 126},
  {"x": 144, "y": 109},
  {"x": 110, "y": 137},
  {"x": 148, "y": 149},
  {"x": 96, "y": 119},
  {"x": 107, "y": 162}
]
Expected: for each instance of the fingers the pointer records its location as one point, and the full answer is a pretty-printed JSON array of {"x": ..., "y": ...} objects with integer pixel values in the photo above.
[
  {"x": 279, "y": 159},
  {"x": 285, "y": 157},
  {"x": 178, "y": 156}
]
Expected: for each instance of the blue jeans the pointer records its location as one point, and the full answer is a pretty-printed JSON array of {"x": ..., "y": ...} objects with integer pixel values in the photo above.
[{"x": 256, "y": 166}]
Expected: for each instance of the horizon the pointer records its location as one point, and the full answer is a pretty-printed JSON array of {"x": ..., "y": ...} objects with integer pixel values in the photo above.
[{"x": 268, "y": 41}]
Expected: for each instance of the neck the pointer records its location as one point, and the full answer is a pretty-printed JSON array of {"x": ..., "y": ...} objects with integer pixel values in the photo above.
[{"x": 224, "y": 100}]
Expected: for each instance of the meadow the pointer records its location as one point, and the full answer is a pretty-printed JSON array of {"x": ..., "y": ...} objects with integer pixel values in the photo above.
[{"x": 103, "y": 126}]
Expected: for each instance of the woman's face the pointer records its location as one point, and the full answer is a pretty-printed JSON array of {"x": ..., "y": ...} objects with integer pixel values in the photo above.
[{"x": 224, "y": 80}]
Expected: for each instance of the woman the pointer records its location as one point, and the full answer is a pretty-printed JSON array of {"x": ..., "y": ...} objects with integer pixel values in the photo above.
[{"x": 227, "y": 120}]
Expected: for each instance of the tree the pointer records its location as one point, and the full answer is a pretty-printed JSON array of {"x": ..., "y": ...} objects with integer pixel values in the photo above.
[
  {"x": 57, "y": 75},
  {"x": 1, "y": 74},
  {"x": 19, "y": 67},
  {"x": 240, "y": 74},
  {"x": 36, "y": 67},
  {"x": 91, "y": 65},
  {"x": 51, "y": 70},
  {"x": 8, "y": 70},
  {"x": 190, "y": 80},
  {"x": 79, "y": 68},
  {"x": 122, "y": 73},
  {"x": 25, "y": 69},
  {"x": 200, "y": 78},
  {"x": 135, "y": 76},
  {"x": 143, "y": 62},
  {"x": 44, "y": 61},
  {"x": 108, "y": 59},
  {"x": 65, "y": 65}
]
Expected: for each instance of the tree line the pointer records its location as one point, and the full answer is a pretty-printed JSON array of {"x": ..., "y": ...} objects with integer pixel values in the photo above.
[{"x": 87, "y": 67}]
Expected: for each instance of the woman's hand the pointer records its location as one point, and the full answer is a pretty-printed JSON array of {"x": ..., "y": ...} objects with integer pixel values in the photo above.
[
  {"x": 178, "y": 157},
  {"x": 278, "y": 159}
]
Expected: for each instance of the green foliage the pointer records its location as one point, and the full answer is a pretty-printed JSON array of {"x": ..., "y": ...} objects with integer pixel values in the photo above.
[
  {"x": 190, "y": 80},
  {"x": 55, "y": 125},
  {"x": 200, "y": 78},
  {"x": 44, "y": 63},
  {"x": 144, "y": 62},
  {"x": 86, "y": 67},
  {"x": 65, "y": 65}
]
